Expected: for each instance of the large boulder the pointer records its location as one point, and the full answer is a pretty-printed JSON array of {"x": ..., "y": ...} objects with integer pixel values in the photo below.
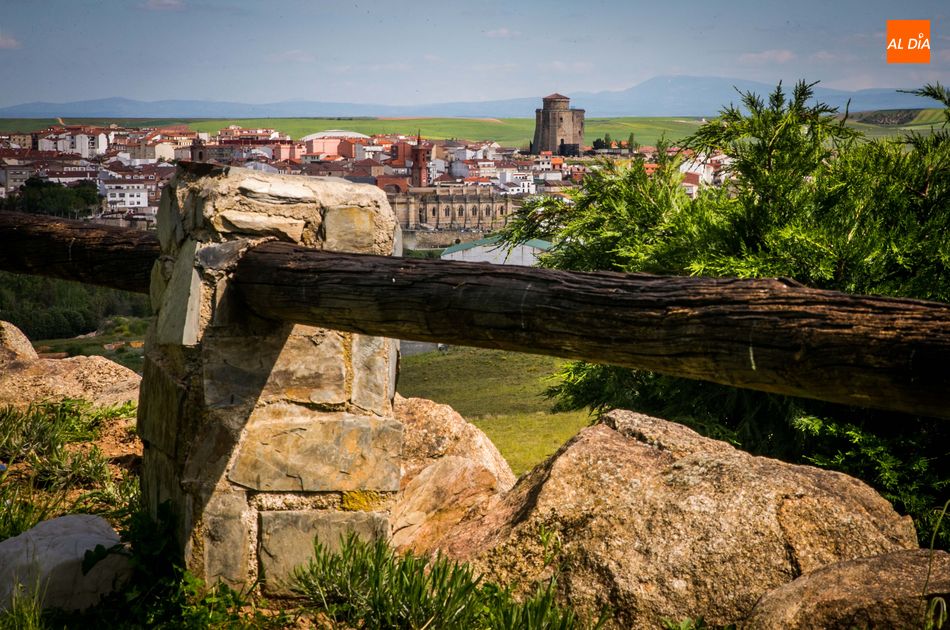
[
  {"x": 49, "y": 558},
  {"x": 449, "y": 469},
  {"x": 656, "y": 522},
  {"x": 433, "y": 431},
  {"x": 25, "y": 378},
  {"x": 14, "y": 346},
  {"x": 889, "y": 591}
]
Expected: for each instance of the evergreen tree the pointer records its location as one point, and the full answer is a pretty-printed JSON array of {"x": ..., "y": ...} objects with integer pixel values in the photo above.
[{"x": 810, "y": 199}]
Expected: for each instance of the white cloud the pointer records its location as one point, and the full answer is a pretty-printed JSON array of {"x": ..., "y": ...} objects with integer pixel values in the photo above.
[
  {"x": 292, "y": 56},
  {"x": 164, "y": 5},
  {"x": 566, "y": 66},
  {"x": 767, "y": 56},
  {"x": 8, "y": 42},
  {"x": 502, "y": 33}
]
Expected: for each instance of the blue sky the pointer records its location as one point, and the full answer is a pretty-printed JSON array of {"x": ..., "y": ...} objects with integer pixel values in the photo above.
[{"x": 422, "y": 51}]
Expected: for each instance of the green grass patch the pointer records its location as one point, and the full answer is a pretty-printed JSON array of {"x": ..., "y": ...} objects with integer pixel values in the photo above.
[
  {"x": 517, "y": 132},
  {"x": 367, "y": 585},
  {"x": 501, "y": 393},
  {"x": 120, "y": 340}
]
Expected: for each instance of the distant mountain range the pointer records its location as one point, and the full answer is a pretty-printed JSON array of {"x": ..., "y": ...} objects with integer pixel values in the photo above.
[{"x": 659, "y": 96}]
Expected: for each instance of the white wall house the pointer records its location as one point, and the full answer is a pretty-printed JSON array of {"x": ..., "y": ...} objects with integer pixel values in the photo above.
[{"x": 124, "y": 194}]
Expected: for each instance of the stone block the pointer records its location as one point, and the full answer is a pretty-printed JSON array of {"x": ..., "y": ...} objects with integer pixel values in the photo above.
[
  {"x": 235, "y": 369},
  {"x": 257, "y": 224},
  {"x": 160, "y": 479},
  {"x": 310, "y": 369},
  {"x": 161, "y": 399},
  {"x": 274, "y": 190},
  {"x": 291, "y": 448},
  {"x": 168, "y": 222},
  {"x": 349, "y": 229},
  {"x": 286, "y": 540},
  {"x": 178, "y": 319},
  {"x": 227, "y": 538},
  {"x": 372, "y": 359},
  {"x": 209, "y": 452}
]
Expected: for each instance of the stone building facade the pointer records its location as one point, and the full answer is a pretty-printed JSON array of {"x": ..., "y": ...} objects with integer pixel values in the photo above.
[
  {"x": 558, "y": 128},
  {"x": 452, "y": 207}
]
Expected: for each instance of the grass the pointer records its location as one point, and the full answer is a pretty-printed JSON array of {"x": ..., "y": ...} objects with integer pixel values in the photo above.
[
  {"x": 501, "y": 393},
  {"x": 366, "y": 585},
  {"x": 516, "y": 132},
  {"x": 121, "y": 334},
  {"x": 52, "y": 467}
]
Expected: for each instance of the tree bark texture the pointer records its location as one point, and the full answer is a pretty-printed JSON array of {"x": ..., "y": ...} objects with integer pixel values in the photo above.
[
  {"x": 770, "y": 335},
  {"x": 77, "y": 250}
]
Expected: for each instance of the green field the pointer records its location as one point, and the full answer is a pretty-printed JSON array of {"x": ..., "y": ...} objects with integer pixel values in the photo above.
[
  {"x": 515, "y": 132},
  {"x": 501, "y": 393}
]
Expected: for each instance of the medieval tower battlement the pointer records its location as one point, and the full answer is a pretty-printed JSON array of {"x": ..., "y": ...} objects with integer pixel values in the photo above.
[{"x": 557, "y": 128}]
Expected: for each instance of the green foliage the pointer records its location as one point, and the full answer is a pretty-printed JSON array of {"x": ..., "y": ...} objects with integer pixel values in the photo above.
[
  {"x": 25, "y": 611},
  {"x": 24, "y": 506},
  {"x": 808, "y": 199},
  {"x": 39, "y": 196},
  {"x": 367, "y": 585},
  {"x": 44, "y": 308}
]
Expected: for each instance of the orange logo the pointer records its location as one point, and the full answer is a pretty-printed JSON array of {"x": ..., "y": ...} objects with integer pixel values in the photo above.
[{"x": 908, "y": 41}]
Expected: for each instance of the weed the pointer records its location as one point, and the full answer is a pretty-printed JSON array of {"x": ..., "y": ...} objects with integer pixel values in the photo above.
[
  {"x": 25, "y": 611},
  {"x": 61, "y": 469},
  {"x": 367, "y": 585},
  {"x": 936, "y": 614},
  {"x": 22, "y": 506}
]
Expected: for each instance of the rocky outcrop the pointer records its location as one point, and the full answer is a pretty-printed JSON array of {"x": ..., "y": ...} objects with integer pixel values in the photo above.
[
  {"x": 449, "y": 469},
  {"x": 433, "y": 431},
  {"x": 49, "y": 558},
  {"x": 889, "y": 591},
  {"x": 14, "y": 346},
  {"x": 652, "y": 520},
  {"x": 25, "y": 378},
  {"x": 95, "y": 379}
]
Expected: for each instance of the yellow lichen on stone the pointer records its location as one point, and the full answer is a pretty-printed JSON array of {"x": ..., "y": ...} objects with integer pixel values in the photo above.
[{"x": 360, "y": 501}]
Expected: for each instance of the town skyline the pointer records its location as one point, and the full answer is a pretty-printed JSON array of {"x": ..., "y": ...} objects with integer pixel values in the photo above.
[{"x": 371, "y": 52}]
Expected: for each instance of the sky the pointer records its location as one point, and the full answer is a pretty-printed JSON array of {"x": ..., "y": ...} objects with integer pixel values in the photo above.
[{"x": 430, "y": 51}]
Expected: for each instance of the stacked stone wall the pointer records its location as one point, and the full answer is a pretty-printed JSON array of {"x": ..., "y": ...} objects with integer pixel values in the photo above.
[{"x": 261, "y": 435}]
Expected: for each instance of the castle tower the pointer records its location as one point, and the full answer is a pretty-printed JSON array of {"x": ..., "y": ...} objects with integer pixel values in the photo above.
[
  {"x": 420, "y": 163},
  {"x": 557, "y": 128}
]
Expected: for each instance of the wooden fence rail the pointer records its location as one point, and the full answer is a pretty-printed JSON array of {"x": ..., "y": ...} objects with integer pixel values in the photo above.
[{"x": 770, "y": 335}]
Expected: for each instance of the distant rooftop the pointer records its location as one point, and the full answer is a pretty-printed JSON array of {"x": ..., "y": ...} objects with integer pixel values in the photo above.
[{"x": 555, "y": 96}]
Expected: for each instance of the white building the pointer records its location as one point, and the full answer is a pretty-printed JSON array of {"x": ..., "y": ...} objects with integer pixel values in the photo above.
[{"x": 124, "y": 194}]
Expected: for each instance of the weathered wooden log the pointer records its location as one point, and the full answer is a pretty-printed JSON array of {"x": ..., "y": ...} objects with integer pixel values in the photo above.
[
  {"x": 77, "y": 250},
  {"x": 770, "y": 335}
]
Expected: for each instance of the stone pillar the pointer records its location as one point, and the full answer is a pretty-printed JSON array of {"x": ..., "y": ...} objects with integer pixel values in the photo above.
[{"x": 262, "y": 435}]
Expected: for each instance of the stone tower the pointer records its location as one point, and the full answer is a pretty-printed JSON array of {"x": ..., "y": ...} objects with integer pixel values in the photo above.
[
  {"x": 557, "y": 128},
  {"x": 420, "y": 163}
]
